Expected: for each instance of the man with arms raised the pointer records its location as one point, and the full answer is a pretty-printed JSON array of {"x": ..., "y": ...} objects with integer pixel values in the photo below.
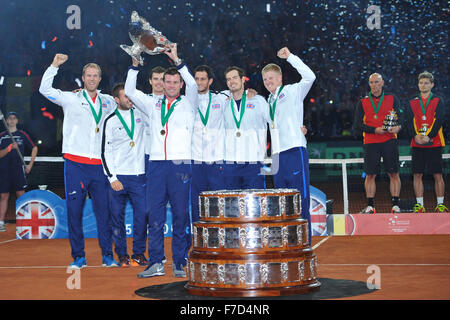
[
  {"x": 289, "y": 155},
  {"x": 169, "y": 168},
  {"x": 84, "y": 114}
]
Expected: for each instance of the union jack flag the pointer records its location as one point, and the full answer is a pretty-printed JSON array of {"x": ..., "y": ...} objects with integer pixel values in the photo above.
[
  {"x": 318, "y": 218},
  {"x": 35, "y": 220}
]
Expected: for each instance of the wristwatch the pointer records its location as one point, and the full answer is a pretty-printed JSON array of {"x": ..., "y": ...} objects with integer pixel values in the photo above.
[{"x": 178, "y": 62}]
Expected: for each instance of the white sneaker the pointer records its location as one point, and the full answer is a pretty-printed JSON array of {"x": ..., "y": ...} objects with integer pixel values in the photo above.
[
  {"x": 2, "y": 227},
  {"x": 395, "y": 209},
  {"x": 369, "y": 210}
]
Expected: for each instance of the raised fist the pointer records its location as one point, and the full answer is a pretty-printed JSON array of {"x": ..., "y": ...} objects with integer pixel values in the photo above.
[
  {"x": 59, "y": 59},
  {"x": 283, "y": 53}
]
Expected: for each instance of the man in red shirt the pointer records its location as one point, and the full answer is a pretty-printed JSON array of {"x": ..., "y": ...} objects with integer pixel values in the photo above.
[
  {"x": 426, "y": 114},
  {"x": 378, "y": 142}
]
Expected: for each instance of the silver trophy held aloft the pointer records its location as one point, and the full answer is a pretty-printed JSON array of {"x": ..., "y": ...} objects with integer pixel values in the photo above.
[
  {"x": 145, "y": 39},
  {"x": 391, "y": 120}
]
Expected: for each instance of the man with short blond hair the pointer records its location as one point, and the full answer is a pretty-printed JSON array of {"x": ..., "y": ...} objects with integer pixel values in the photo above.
[
  {"x": 290, "y": 159},
  {"x": 84, "y": 114},
  {"x": 271, "y": 67},
  {"x": 94, "y": 66}
]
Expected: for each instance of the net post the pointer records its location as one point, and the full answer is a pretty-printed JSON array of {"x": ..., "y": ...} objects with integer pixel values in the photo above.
[{"x": 344, "y": 185}]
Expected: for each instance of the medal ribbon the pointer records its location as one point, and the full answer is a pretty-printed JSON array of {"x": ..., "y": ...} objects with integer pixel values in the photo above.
[
  {"x": 205, "y": 118},
  {"x": 274, "y": 105},
  {"x": 424, "y": 109},
  {"x": 98, "y": 116},
  {"x": 165, "y": 117},
  {"x": 243, "y": 102},
  {"x": 377, "y": 108},
  {"x": 129, "y": 132}
]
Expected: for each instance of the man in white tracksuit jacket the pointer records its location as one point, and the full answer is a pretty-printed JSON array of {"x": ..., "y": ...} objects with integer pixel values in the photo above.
[
  {"x": 289, "y": 155},
  {"x": 245, "y": 122},
  {"x": 123, "y": 161},
  {"x": 169, "y": 169},
  {"x": 84, "y": 114}
]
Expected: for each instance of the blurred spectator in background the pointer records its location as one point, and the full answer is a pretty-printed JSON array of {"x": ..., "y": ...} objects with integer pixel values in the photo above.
[{"x": 13, "y": 169}]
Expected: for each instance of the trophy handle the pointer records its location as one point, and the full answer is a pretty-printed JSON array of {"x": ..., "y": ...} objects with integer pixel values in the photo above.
[{"x": 137, "y": 57}]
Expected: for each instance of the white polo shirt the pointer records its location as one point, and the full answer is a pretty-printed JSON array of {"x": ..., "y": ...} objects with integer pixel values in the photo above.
[{"x": 79, "y": 126}]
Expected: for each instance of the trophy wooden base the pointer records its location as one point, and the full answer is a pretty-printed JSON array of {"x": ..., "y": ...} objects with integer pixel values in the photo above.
[{"x": 265, "y": 292}]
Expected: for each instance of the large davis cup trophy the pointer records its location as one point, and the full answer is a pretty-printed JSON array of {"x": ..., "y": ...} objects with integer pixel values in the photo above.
[
  {"x": 391, "y": 120},
  {"x": 145, "y": 38},
  {"x": 251, "y": 243}
]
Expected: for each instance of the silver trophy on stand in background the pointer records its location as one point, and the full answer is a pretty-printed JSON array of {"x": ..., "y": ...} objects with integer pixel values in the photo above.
[
  {"x": 423, "y": 129},
  {"x": 390, "y": 121},
  {"x": 145, "y": 38}
]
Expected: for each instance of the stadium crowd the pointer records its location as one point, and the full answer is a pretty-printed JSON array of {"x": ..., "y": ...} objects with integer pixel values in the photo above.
[{"x": 332, "y": 37}]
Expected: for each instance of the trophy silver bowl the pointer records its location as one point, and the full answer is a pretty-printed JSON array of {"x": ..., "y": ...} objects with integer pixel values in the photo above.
[
  {"x": 145, "y": 38},
  {"x": 249, "y": 204},
  {"x": 391, "y": 120}
]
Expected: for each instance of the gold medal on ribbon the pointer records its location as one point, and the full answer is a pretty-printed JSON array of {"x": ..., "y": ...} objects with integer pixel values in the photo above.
[
  {"x": 130, "y": 132},
  {"x": 97, "y": 129}
]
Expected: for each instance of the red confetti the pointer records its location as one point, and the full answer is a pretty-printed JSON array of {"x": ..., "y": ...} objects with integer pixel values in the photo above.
[
  {"x": 54, "y": 39},
  {"x": 90, "y": 43},
  {"x": 312, "y": 100},
  {"x": 48, "y": 115}
]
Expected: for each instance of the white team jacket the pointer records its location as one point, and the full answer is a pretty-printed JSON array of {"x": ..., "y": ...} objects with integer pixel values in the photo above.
[
  {"x": 289, "y": 110},
  {"x": 250, "y": 146},
  {"x": 208, "y": 144},
  {"x": 118, "y": 156},
  {"x": 147, "y": 125},
  {"x": 175, "y": 143},
  {"x": 79, "y": 136}
]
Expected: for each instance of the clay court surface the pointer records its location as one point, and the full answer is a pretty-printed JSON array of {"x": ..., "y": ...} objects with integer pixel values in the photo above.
[{"x": 412, "y": 267}]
